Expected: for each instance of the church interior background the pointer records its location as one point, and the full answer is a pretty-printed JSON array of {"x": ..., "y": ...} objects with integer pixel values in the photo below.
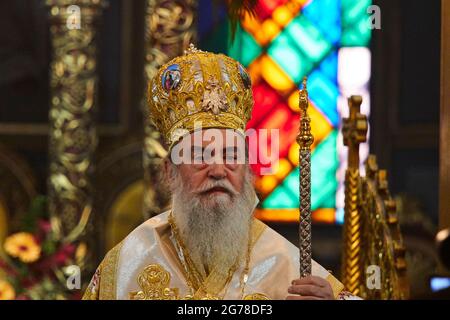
[{"x": 89, "y": 174}]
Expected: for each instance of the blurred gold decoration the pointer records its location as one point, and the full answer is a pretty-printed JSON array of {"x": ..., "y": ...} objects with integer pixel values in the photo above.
[
  {"x": 124, "y": 214},
  {"x": 3, "y": 220},
  {"x": 169, "y": 28},
  {"x": 305, "y": 139},
  {"x": 80, "y": 252},
  {"x": 17, "y": 189},
  {"x": 372, "y": 237},
  {"x": 73, "y": 81}
]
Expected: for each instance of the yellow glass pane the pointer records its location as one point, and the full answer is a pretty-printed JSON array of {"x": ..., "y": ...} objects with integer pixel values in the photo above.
[
  {"x": 282, "y": 15},
  {"x": 325, "y": 215},
  {"x": 292, "y": 215},
  {"x": 269, "y": 30},
  {"x": 284, "y": 167},
  {"x": 274, "y": 76},
  {"x": 293, "y": 153},
  {"x": 277, "y": 215},
  {"x": 295, "y": 5},
  {"x": 267, "y": 184}
]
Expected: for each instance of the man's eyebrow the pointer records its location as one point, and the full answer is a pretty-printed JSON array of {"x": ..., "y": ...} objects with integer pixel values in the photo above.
[{"x": 230, "y": 149}]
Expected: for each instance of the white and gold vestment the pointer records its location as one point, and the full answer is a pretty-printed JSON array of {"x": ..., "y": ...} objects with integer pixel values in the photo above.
[{"x": 147, "y": 265}]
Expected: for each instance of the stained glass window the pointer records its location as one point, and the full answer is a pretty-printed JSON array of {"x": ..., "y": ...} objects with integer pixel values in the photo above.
[{"x": 326, "y": 40}]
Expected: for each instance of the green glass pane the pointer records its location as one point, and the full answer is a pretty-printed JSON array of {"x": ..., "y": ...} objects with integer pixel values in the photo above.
[
  {"x": 324, "y": 164},
  {"x": 280, "y": 198},
  {"x": 353, "y": 10},
  {"x": 356, "y": 36},
  {"x": 355, "y": 23},
  {"x": 289, "y": 58},
  {"x": 308, "y": 38},
  {"x": 244, "y": 48}
]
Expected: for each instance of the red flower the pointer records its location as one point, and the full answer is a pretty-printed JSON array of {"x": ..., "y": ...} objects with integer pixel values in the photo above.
[
  {"x": 56, "y": 260},
  {"x": 63, "y": 254},
  {"x": 45, "y": 226}
]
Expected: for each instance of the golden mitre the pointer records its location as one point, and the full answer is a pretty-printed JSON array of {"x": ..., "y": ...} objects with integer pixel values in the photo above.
[{"x": 199, "y": 90}]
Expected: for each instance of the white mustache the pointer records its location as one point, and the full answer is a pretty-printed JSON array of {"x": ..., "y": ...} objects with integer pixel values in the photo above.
[{"x": 210, "y": 184}]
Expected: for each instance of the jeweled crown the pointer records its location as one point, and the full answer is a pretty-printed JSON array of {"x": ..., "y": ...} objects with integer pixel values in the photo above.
[{"x": 199, "y": 90}]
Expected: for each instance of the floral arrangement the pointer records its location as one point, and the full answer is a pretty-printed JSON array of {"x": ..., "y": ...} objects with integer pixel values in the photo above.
[{"x": 34, "y": 261}]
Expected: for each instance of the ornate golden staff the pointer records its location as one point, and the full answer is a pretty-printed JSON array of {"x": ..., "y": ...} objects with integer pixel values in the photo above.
[{"x": 305, "y": 140}]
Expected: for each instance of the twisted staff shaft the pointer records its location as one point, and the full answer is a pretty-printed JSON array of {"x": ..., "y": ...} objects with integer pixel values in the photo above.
[{"x": 305, "y": 140}]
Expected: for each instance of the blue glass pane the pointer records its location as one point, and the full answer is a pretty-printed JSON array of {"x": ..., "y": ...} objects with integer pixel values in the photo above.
[
  {"x": 324, "y": 94},
  {"x": 326, "y": 15}
]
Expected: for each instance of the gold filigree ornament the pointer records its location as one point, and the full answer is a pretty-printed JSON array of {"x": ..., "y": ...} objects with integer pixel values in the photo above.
[
  {"x": 256, "y": 296},
  {"x": 199, "y": 90},
  {"x": 154, "y": 281}
]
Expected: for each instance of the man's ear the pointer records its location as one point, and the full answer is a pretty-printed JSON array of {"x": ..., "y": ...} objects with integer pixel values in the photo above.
[{"x": 167, "y": 168}]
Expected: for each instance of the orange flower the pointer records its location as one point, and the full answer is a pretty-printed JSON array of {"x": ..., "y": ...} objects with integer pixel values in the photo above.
[
  {"x": 22, "y": 245},
  {"x": 6, "y": 291}
]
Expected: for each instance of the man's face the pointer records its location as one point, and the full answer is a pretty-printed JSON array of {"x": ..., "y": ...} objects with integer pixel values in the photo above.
[
  {"x": 215, "y": 165},
  {"x": 212, "y": 196}
]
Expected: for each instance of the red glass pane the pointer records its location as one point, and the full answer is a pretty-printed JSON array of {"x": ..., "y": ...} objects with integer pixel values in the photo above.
[
  {"x": 265, "y": 8},
  {"x": 283, "y": 119},
  {"x": 266, "y": 98}
]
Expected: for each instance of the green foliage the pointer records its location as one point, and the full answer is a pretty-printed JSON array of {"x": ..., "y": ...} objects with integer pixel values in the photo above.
[{"x": 38, "y": 210}]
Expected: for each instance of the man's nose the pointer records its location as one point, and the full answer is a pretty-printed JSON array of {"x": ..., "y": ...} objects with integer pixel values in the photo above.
[{"x": 217, "y": 171}]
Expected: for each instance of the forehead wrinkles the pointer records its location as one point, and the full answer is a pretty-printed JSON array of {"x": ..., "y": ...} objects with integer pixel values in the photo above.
[
  {"x": 212, "y": 141},
  {"x": 225, "y": 137}
]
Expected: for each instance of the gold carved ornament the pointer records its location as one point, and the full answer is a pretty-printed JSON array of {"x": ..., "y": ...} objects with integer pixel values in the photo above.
[
  {"x": 73, "y": 83},
  {"x": 382, "y": 240},
  {"x": 169, "y": 28},
  {"x": 354, "y": 132},
  {"x": 372, "y": 237}
]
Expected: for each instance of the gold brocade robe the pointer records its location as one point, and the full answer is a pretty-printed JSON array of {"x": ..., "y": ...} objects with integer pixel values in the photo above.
[{"x": 146, "y": 265}]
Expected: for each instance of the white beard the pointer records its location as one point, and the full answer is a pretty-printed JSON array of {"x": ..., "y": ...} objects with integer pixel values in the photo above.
[{"x": 214, "y": 228}]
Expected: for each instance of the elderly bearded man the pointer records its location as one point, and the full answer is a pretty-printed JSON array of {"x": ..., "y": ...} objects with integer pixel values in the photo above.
[{"x": 209, "y": 245}]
